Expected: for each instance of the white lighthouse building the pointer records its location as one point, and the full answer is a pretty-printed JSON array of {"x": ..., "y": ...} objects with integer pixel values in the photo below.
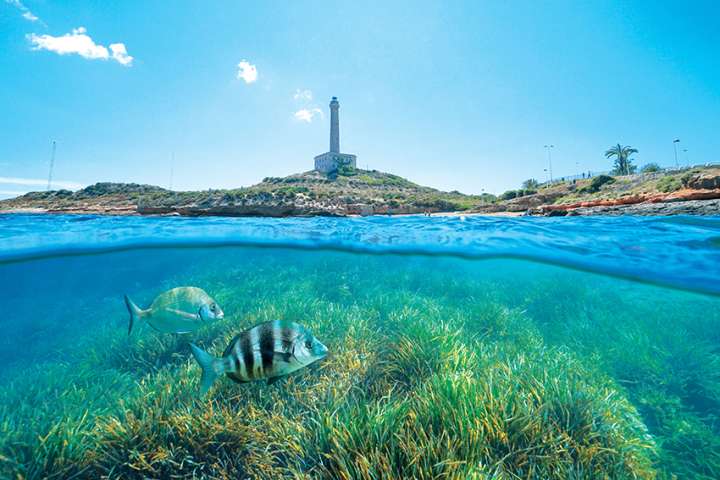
[{"x": 330, "y": 161}]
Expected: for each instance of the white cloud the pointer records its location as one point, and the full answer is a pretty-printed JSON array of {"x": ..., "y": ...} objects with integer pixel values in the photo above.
[
  {"x": 119, "y": 53},
  {"x": 247, "y": 71},
  {"x": 75, "y": 42},
  {"x": 303, "y": 95},
  {"x": 26, "y": 13},
  {"x": 39, "y": 182},
  {"x": 310, "y": 111},
  {"x": 80, "y": 43},
  {"x": 307, "y": 114}
]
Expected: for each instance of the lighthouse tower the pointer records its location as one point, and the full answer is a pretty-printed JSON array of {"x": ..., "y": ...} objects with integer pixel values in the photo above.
[
  {"x": 334, "y": 125},
  {"x": 330, "y": 161}
]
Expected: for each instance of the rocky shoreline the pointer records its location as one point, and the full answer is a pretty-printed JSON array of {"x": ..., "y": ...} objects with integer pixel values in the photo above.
[
  {"x": 683, "y": 207},
  {"x": 268, "y": 210},
  {"x": 689, "y": 207},
  {"x": 684, "y": 202}
]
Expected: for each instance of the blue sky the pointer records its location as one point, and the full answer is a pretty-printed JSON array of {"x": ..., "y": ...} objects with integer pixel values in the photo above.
[{"x": 455, "y": 95}]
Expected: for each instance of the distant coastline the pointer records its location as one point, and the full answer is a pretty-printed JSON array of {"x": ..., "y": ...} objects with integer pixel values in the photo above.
[{"x": 356, "y": 192}]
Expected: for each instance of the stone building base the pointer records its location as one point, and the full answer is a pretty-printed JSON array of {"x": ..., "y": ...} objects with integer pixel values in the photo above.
[{"x": 329, "y": 161}]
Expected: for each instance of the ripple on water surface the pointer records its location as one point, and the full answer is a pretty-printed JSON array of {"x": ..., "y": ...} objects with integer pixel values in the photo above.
[{"x": 677, "y": 251}]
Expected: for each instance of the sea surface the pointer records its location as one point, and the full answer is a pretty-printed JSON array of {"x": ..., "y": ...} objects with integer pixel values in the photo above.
[{"x": 460, "y": 347}]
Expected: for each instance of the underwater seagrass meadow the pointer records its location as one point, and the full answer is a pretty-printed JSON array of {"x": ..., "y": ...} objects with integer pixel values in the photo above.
[{"x": 439, "y": 367}]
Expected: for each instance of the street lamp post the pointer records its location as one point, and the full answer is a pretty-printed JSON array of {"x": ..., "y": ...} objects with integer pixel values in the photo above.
[
  {"x": 687, "y": 160},
  {"x": 549, "y": 147},
  {"x": 52, "y": 165},
  {"x": 675, "y": 142},
  {"x": 172, "y": 170}
]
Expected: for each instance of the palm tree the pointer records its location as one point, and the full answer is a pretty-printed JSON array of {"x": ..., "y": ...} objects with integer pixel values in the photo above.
[{"x": 623, "y": 162}]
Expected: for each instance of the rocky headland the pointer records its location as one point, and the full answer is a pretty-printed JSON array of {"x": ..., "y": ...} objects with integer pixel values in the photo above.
[
  {"x": 361, "y": 192},
  {"x": 349, "y": 192}
]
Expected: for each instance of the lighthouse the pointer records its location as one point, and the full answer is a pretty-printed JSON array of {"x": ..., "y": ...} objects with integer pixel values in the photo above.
[{"x": 330, "y": 161}]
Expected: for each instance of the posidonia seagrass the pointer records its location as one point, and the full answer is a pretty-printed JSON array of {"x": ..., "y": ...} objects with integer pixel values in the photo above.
[{"x": 439, "y": 368}]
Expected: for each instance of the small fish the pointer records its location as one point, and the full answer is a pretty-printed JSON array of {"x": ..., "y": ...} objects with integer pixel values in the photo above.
[
  {"x": 180, "y": 310},
  {"x": 270, "y": 350}
]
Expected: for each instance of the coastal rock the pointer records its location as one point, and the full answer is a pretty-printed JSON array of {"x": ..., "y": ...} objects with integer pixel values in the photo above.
[
  {"x": 691, "y": 207},
  {"x": 703, "y": 181},
  {"x": 250, "y": 208},
  {"x": 685, "y": 195},
  {"x": 522, "y": 204},
  {"x": 611, "y": 205}
]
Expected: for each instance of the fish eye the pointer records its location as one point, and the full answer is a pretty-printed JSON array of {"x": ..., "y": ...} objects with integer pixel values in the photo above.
[
  {"x": 213, "y": 307},
  {"x": 308, "y": 344}
]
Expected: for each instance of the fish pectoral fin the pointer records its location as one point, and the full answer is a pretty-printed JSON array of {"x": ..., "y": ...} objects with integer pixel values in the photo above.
[
  {"x": 288, "y": 345},
  {"x": 275, "y": 379},
  {"x": 155, "y": 328},
  {"x": 189, "y": 316}
]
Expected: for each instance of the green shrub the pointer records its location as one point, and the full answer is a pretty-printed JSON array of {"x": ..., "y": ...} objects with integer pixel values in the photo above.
[
  {"x": 650, "y": 168},
  {"x": 669, "y": 184},
  {"x": 346, "y": 171},
  {"x": 510, "y": 194},
  {"x": 686, "y": 177},
  {"x": 530, "y": 184},
  {"x": 596, "y": 183}
]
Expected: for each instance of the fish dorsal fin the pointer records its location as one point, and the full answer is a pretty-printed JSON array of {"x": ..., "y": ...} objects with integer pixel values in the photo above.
[{"x": 230, "y": 345}]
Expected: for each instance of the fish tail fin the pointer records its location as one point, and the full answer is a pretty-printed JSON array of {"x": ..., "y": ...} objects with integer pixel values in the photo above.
[
  {"x": 208, "y": 363},
  {"x": 135, "y": 312}
]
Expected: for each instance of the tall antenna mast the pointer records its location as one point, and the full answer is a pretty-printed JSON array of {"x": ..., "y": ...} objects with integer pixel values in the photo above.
[
  {"x": 172, "y": 167},
  {"x": 52, "y": 165}
]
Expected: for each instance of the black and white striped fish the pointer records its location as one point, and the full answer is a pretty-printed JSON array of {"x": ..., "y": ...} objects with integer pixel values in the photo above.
[{"x": 269, "y": 351}]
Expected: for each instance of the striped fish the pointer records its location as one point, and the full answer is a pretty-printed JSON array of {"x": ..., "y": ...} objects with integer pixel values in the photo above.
[{"x": 270, "y": 350}]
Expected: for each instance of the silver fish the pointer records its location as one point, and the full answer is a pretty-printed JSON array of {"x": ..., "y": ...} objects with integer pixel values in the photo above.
[
  {"x": 180, "y": 310},
  {"x": 270, "y": 350}
]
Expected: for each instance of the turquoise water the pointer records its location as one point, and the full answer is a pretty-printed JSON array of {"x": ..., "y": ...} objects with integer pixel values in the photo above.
[{"x": 562, "y": 348}]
